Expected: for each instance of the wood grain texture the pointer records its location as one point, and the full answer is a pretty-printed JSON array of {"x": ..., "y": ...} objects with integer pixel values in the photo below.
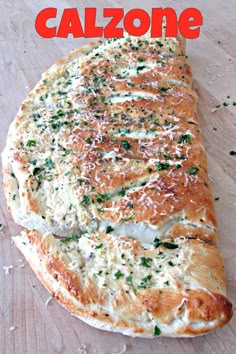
[{"x": 23, "y": 57}]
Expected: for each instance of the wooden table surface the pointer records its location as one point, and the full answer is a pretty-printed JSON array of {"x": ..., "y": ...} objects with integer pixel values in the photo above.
[{"x": 27, "y": 325}]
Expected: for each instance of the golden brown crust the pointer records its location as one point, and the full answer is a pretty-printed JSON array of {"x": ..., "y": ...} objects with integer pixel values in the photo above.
[
  {"x": 119, "y": 119},
  {"x": 181, "y": 306}
]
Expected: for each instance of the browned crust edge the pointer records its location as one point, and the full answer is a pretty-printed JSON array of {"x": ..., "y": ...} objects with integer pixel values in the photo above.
[{"x": 212, "y": 310}]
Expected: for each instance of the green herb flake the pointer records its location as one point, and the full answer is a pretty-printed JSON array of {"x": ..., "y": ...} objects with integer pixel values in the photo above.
[
  {"x": 31, "y": 143},
  {"x": 184, "y": 138},
  {"x": 130, "y": 84},
  {"x": 118, "y": 274},
  {"x": 162, "y": 166},
  {"x": 171, "y": 264},
  {"x": 86, "y": 200},
  {"x": 99, "y": 246},
  {"x": 102, "y": 197},
  {"x": 67, "y": 152},
  {"x": 130, "y": 205},
  {"x": 89, "y": 140},
  {"x": 37, "y": 170},
  {"x": 70, "y": 238},
  {"x": 156, "y": 331},
  {"x": 168, "y": 245},
  {"x": 163, "y": 89},
  {"x": 49, "y": 164},
  {"x": 140, "y": 59},
  {"x": 145, "y": 262},
  {"x": 129, "y": 280},
  {"x": 122, "y": 193},
  {"x": 192, "y": 171},
  {"x": 125, "y": 144},
  {"x": 232, "y": 153},
  {"x": 159, "y": 44},
  {"x": 109, "y": 229},
  {"x": 100, "y": 210}
]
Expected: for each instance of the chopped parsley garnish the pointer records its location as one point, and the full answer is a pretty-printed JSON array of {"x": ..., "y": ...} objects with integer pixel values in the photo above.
[
  {"x": 122, "y": 192},
  {"x": 145, "y": 282},
  {"x": 161, "y": 166},
  {"x": 146, "y": 279},
  {"x": 31, "y": 143},
  {"x": 149, "y": 169},
  {"x": 167, "y": 156},
  {"x": 70, "y": 238},
  {"x": 145, "y": 262},
  {"x": 127, "y": 219},
  {"x": 100, "y": 210},
  {"x": 178, "y": 166},
  {"x": 129, "y": 280},
  {"x": 118, "y": 274},
  {"x": 49, "y": 164},
  {"x": 109, "y": 229},
  {"x": 86, "y": 200},
  {"x": 89, "y": 140},
  {"x": 130, "y": 205},
  {"x": 184, "y": 138},
  {"x": 163, "y": 89},
  {"x": 37, "y": 170},
  {"x": 171, "y": 264},
  {"x": 130, "y": 84},
  {"x": 156, "y": 331},
  {"x": 169, "y": 245},
  {"x": 59, "y": 113},
  {"x": 125, "y": 144},
  {"x": 141, "y": 67},
  {"x": 192, "y": 171},
  {"x": 232, "y": 153},
  {"x": 67, "y": 152},
  {"x": 159, "y": 43},
  {"x": 102, "y": 197},
  {"x": 99, "y": 246}
]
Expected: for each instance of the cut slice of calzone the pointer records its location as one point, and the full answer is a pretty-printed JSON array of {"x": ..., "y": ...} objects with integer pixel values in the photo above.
[{"x": 175, "y": 288}]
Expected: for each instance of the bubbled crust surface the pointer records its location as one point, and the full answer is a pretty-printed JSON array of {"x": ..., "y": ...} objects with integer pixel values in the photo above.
[
  {"x": 115, "y": 284},
  {"x": 111, "y": 134}
]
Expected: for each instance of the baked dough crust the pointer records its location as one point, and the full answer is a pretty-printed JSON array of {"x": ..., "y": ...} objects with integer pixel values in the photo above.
[
  {"x": 108, "y": 147},
  {"x": 111, "y": 135},
  {"x": 113, "y": 283}
]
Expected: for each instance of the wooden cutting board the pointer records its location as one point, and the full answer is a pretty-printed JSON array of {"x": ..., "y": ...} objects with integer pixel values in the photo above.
[{"x": 27, "y": 324}]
